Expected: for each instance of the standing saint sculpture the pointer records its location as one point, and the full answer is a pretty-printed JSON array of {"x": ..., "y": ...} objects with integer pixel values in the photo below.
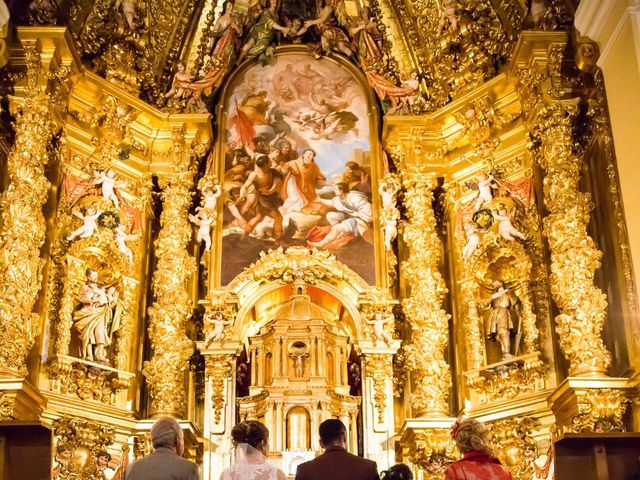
[
  {"x": 97, "y": 319},
  {"x": 500, "y": 322}
]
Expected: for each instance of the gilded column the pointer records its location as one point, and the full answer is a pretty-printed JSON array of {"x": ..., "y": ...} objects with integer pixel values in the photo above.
[
  {"x": 23, "y": 229},
  {"x": 172, "y": 306},
  {"x": 472, "y": 325},
  {"x": 574, "y": 256},
  {"x": 423, "y": 308}
]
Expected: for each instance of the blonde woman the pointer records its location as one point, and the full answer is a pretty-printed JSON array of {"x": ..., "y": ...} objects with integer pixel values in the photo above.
[{"x": 478, "y": 462}]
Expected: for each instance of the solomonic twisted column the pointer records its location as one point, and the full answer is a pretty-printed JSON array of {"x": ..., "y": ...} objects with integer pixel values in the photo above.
[
  {"x": 574, "y": 255},
  {"x": 423, "y": 308},
  {"x": 172, "y": 306},
  {"x": 23, "y": 227}
]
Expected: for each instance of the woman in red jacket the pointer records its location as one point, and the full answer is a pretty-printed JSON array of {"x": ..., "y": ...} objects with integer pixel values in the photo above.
[{"x": 478, "y": 462}]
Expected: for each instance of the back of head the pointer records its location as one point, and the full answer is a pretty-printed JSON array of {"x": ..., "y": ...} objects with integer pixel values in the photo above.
[
  {"x": 331, "y": 431},
  {"x": 399, "y": 471},
  {"x": 250, "y": 432},
  {"x": 165, "y": 433},
  {"x": 469, "y": 434}
]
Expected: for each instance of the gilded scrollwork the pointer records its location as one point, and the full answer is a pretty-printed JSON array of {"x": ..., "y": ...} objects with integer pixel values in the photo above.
[
  {"x": 218, "y": 369},
  {"x": 432, "y": 449},
  {"x": 7, "y": 404},
  {"x": 599, "y": 410},
  {"x": 379, "y": 369},
  {"x": 511, "y": 439}
]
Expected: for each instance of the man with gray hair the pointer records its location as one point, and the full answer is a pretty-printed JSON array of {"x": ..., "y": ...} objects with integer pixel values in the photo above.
[{"x": 165, "y": 463}]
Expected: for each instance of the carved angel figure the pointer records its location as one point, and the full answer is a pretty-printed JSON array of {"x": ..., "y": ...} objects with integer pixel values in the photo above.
[
  {"x": 121, "y": 236},
  {"x": 262, "y": 33},
  {"x": 209, "y": 199},
  {"x": 500, "y": 325},
  {"x": 473, "y": 240},
  {"x": 204, "y": 231},
  {"x": 43, "y": 12},
  {"x": 180, "y": 88},
  {"x": 379, "y": 331},
  {"x": 390, "y": 212},
  {"x": 108, "y": 184},
  {"x": 218, "y": 322},
  {"x": 128, "y": 10},
  {"x": 505, "y": 227},
  {"x": 89, "y": 225},
  {"x": 448, "y": 14},
  {"x": 485, "y": 183}
]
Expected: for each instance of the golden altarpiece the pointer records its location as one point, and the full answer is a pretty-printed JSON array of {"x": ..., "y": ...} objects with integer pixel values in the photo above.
[{"x": 387, "y": 212}]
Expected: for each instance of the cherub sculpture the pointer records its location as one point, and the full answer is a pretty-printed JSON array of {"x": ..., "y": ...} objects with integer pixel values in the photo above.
[
  {"x": 505, "y": 227},
  {"x": 121, "y": 236},
  {"x": 473, "y": 240},
  {"x": 108, "y": 184},
  {"x": 379, "y": 331},
  {"x": 209, "y": 199},
  {"x": 181, "y": 88},
  {"x": 204, "y": 228},
  {"x": 485, "y": 183},
  {"x": 128, "y": 10},
  {"x": 448, "y": 13},
  {"x": 218, "y": 322},
  {"x": 390, "y": 213},
  {"x": 89, "y": 224}
]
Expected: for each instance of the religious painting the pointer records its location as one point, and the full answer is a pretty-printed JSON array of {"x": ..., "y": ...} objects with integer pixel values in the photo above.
[{"x": 297, "y": 164}]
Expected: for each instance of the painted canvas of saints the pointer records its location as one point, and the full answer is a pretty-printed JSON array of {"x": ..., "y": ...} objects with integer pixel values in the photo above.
[{"x": 297, "y": 165}]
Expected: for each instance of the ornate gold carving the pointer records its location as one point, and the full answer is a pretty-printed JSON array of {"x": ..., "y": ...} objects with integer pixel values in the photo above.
[
  {"x": 83, "y": 440},
  {"x": 310, "y": 265},
  {"x": 172, "y": 305},
  {"x": 218, "y": 369},
  {"x": 508, "y": 379},
  {"x": 7, "y": 404},
  {"x": 600, "y": 410},
  {"x": 142, "y": 445},
  {"x": 23, "y": 230},
  {"x": 423, "y": 308},
  {"x": 511, "y": 438},
  {"x": 432, "y": 449},
  {"x": 379, "y": 369},
  {"x": 86, "y": 381}
]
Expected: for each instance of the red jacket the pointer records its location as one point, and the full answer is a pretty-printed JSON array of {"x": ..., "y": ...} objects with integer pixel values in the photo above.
[{"x": 477, "y": 466}]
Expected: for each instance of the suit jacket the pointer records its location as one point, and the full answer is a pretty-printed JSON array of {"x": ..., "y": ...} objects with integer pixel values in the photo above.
[
  {"x": 162, "y": 464},
  {"x": 337, "y": 464}
]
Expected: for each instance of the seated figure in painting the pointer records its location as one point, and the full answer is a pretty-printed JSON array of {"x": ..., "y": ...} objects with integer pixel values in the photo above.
[
  {"x": 267, "y": 183},
  {"x": 351, "y": 217}
]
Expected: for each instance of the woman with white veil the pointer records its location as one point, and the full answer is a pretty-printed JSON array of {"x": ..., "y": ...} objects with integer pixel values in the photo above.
[{"x": 252, "y": 446}]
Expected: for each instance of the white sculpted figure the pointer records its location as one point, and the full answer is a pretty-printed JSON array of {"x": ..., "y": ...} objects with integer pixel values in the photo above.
[
  {"x": 378, "y": 323},
  {"x": 505, "y": 227},
  {"x": 209, "y": 199},
  {"x": 128, "y": 9},
  {"x": 473, "y": 240},
  {"x": 180, "y": 87},
  {"x": 448, "y": 13},
  {"x": 121, "y": 237},
  {"x": 485, "y": 182},
  {"x": 108, "y": 184},
  {"x": 89, "y": 225},
  {"x": 217, "y": 320},
  {"x": 390, "y": 212},
  {"x": 204, "y": 228}
]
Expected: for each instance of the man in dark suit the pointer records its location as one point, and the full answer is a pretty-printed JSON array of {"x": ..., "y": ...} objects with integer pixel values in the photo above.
[
  {"x": 336, "y": 463},
  {"x": 165, "y": 463}
]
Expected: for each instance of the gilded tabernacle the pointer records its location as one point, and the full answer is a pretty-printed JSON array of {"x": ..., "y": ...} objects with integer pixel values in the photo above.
[{"x": 346, "y": 239}]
